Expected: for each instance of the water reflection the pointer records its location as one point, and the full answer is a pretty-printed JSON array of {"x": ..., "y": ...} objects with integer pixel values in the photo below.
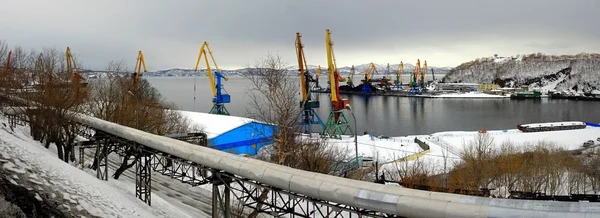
[{"x": 387, "y": 115}]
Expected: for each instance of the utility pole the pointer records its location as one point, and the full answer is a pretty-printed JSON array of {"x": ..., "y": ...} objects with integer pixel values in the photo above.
[{"x": 348, "y": 107}]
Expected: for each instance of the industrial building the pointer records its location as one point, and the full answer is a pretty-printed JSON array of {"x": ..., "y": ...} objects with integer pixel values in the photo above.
[
  {"x": 236, "y": 135},
  {"x": 463, "y": 87}
]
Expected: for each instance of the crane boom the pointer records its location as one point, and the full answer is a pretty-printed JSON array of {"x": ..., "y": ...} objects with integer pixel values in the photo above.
[
  {"x": 71, "y": 66},
  {"x": 309, "y": 116},
  {"x": 423, "y": 74},
  {"x": 203, "y": 49},
  {"x": 138, "y": 66},
  {"x": 416, "y": 73},
  {"x": 304, "y": 86},
  {"x": 334, "y": 75},
  {"x": 372, "y": 69},
  {"x": 399, "y": 73}
]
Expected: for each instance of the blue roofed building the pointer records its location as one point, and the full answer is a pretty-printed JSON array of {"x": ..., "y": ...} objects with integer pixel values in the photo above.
[{"x": 237, "y": 135}]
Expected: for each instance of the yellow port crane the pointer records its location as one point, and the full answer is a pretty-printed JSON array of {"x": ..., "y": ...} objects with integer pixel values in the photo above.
[
  {"x": 337, "y": 124},
  {"x": 77, "y": 80},
  {"x": 422, "y": 82},
  {"x": 317, "y": 86},
  {"x": 398, "y": 80},
  {"x": 140, "y": 62},
  {"x": 307, "y": 104}
]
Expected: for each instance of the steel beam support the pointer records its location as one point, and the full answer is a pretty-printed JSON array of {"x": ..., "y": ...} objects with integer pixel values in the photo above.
[
  {"x": 143, "y": 177},
  {"x": 221, "y": 204},
  {"x": 102, "y": 158}
]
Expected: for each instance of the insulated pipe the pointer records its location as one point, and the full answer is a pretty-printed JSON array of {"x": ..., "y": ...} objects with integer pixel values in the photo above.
[
  {"x": 361, "y": 194},
  {"x": 372, "y": 196}
]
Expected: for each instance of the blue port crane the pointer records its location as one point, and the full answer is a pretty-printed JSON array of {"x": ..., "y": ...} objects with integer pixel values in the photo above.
[
  {"x": 220, "y": 96},
  {"x": 307, "y": 104}
]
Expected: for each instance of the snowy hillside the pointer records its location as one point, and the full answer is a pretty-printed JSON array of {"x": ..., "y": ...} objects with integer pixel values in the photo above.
[{"x": 579, "y": 72}]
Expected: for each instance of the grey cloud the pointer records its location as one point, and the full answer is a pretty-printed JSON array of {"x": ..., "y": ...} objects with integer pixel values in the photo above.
[{"x": 240, "y": 31}]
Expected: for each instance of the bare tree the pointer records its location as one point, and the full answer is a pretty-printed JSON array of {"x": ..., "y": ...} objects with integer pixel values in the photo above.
[
  {"x": 474, "y": 155},
  {"x": 118, "y": 99},
  {"x": 58, "y": 97},
  {"x": 274, "y": 99}
]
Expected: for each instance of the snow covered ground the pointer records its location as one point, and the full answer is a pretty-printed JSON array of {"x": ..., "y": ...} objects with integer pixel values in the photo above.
[
  {"x": 443, "y": 145},
  {"x": 470, "y": 95},
  {"x": 79, "y": 189}
]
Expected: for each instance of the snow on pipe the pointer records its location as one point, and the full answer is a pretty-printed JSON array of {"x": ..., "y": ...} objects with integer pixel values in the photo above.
[{"x": 361, "y": 194}]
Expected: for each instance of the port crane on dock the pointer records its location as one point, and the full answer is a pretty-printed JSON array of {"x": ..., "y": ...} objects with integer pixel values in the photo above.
[
  {"x": 422, "y": 81},
  {"x": 77, "y": 81},
  {"x": 317, "y": 75},
  {"x": 307, "y": 104},
  {"x": 337, "y": 124},
  {"x": 385, "y": 81},
  {"x": 139, "y": 63},
  {"x": 414, "y": 83},
  {"x": 398, "y": 81},
  {"x": 219, "y": 98},
  {"x": 366, "y": 82},
  {"x": 351, "y": 77}
]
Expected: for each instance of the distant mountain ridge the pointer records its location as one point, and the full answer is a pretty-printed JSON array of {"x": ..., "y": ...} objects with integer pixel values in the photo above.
[
  {"x": 381, "y": 70},
  {"x": 579, "y": 72}
]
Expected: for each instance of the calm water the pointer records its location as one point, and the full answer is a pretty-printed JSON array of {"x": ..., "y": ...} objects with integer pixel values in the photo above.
[{"x": 394, "y": 116}]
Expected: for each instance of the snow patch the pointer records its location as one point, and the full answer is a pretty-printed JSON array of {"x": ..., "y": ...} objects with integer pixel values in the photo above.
[
  {"x": 218, "y": 124},
  {"x": 12, "y": 167},
  {"x": 37, "y": 196}
]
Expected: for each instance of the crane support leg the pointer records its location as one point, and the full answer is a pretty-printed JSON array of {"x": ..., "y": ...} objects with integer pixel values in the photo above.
[
  {"x": 309, "y": 118},
  {"x": 337, "y": 125},
  {"x": 219, "y": 109}
]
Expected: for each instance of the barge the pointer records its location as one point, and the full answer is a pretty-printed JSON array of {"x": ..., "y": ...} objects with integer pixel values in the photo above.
[{"x": 544, "y": 127}]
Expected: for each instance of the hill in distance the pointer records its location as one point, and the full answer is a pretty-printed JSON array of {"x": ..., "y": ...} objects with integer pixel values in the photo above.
[{"x": 579, "y": 72}]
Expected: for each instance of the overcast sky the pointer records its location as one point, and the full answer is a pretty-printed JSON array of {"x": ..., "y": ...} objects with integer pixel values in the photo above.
[{"x": 443, "y": 32}]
